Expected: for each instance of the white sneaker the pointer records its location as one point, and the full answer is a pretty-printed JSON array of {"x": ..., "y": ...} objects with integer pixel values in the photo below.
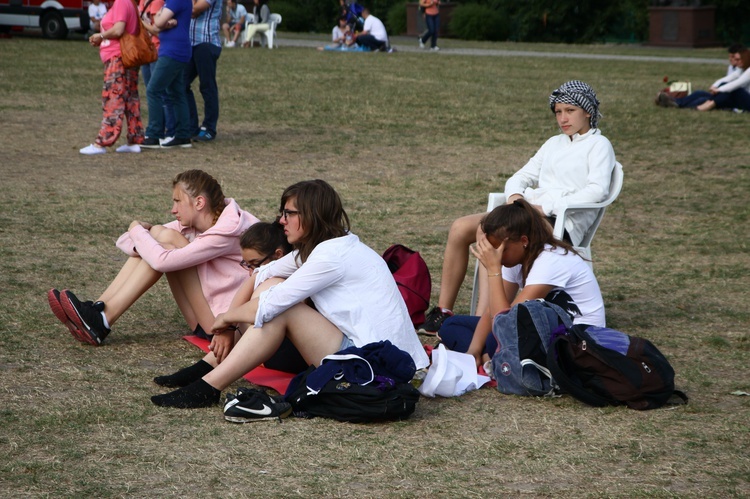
[
  {"x": 92, "y": 149},
  {"x": 435, "y": 48},
  {"x": 421, "y": 43},
  {"x": 229, "y": 44},
  {"x": 165, "y": 140},
  {"x": 129, "y": 148}
]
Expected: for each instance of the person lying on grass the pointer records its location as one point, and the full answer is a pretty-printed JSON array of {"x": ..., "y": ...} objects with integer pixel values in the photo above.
[
  {"x": 519, "y": 251},
  {"x": 356, "y": 298},
  {"x": 199, "y": 253},
  {"x": 261, "y": 244},
  {"x": 572, "y": 167}
]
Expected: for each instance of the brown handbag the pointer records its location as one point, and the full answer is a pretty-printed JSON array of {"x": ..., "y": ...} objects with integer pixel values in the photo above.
[{"x": 137, "y": 49}]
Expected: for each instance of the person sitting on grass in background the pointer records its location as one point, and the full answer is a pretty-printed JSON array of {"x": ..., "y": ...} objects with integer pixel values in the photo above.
[
  {"x": 339, "y": 38},
  {"x": 97, "y": 10},
  {"x": 199, "y": 253},
  {"x": 235, "y": 22},
  {"x": 572, "y": 167},
  {"x": 373, "y": 35},
  {"x": 260, "y": 24},
  {"x": 699, "y": 97},
  {"x": 356, "y": 300},
  {"x": 261, "y": 244},
  {"x": 517, "y": 248}
]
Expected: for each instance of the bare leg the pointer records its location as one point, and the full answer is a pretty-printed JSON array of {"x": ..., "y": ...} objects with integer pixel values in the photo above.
[
  {"x": 312, "y": 334},
  {"x": 134, "y": 279},
  {"x": 456, "y": 258}
]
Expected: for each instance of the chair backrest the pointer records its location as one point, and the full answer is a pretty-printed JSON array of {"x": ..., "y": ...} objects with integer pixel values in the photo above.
[
  {"x": 615, "y": 186},
  {"x": 274, "y": 19}
]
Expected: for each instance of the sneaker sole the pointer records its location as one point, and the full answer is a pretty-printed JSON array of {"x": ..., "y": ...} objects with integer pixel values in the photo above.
[
  {"x": 76, "y": 319},
  {"x": 426, "y": 333},
  {"x": 57, "y": 309},
  {"x": 181, "y": 146},
  {"x": 238, "y": 419}
]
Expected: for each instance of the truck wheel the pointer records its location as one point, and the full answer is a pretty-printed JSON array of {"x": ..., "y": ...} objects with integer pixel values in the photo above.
[{"x": 53, "y": 26}]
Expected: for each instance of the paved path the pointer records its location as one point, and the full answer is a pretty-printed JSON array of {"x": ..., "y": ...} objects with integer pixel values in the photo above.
[{"x": 404, "y": 44}]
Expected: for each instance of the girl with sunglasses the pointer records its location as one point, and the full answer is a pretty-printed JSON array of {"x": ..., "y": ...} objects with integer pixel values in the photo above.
[
  {"x": 199, "y": 253},
  {"x": 356, "y": 301}
]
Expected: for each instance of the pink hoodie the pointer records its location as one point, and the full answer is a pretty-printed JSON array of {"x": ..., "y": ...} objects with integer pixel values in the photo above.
[{"x": 215, "y": 253}]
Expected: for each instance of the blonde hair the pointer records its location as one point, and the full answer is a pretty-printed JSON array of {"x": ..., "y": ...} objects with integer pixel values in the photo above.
[{"x": 196, "y": 183}]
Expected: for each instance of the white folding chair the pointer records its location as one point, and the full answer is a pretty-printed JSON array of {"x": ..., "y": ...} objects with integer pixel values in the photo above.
[
  {"x": 584, "y": 248},
  {"x": 273, "y": 21}
]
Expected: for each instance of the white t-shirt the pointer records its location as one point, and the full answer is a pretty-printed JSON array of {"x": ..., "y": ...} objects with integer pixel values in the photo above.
[
  {"x": 350, "y": 286},
  {"x": 336, "y": 34},
  {"x": 97, "y": 11},
  {"x": 733, "y": 81},
  {"x": 375, "y": 27},
  {"x": 571, "y": 274},
  {"x": 565, "y": 171},
  {"x": 238, "y": 14}
]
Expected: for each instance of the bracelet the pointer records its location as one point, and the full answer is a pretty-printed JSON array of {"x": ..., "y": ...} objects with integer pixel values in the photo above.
[
  {"x": 494, "y": 275},
  {"x": 102, "y": 36}
]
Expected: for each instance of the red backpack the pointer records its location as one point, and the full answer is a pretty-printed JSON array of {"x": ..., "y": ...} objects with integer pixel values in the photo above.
[{"x": 413, "y": 278}]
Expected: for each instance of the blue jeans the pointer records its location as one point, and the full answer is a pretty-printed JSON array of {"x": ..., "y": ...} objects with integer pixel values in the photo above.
[
  {"x": 737, "y": 99},
  {"x": 167, "y": 76},
  {"x": 203, "y": 66},
  {"x": 370, "y": 42},
  {"x": 433, "y": 26},
  {"x": 695, "y": 99},
  {"x": 457, "y": 332},
  {"x": 146, "y": 71}
]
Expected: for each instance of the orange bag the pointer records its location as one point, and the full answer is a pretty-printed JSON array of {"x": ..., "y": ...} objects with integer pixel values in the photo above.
[{"x": 137, "y": 49}]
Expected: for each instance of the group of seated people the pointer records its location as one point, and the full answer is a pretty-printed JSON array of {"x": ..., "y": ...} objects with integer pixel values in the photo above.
[
  {"x": 357, "y": 30},
  {"x": 731, "y": 92},
  {"x": 290, "y": 292},
  {"x": 236, "y": 19}
]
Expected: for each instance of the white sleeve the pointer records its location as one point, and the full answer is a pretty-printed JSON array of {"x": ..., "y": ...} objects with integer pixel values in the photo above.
[
  {"x": 735, "y": 81},
  {"x": 528, "y": 176},
  {"x": 601, "y": 162},
  {"x": 317, "y": 273}
]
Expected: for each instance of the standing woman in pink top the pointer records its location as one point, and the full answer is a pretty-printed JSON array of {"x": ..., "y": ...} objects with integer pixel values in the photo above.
[
  {"x": 120, "y": 92},
  {"x": 199, "y": 253}
]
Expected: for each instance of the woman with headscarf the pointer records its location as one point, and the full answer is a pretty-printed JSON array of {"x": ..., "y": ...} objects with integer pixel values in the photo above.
[{"x": 572, "y": 167}]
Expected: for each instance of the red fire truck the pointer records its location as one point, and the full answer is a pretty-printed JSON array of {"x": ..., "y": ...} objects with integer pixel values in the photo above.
[{"x": 55, "y": 17}]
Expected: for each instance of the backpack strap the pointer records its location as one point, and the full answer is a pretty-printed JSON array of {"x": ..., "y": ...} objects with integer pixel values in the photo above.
[{"x": 678, "y": 398}]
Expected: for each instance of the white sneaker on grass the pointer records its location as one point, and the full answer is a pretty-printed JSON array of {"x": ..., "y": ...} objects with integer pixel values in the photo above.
[
  {"x": 165, "y": 140},
  {"x": 92, "y": 149},
  {"x": 129, "y": 148}
]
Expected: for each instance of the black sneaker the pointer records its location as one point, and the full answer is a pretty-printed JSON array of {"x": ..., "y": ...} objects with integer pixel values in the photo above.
[
  {"x": 87, "y": 316},
  {"x": 204, "y": 136},
  {"x": 150, "y": 143},
  {"x": 250, "y": 405},
  {"x": 433, "y": 321},
  {"x": 177, "y": 143}
]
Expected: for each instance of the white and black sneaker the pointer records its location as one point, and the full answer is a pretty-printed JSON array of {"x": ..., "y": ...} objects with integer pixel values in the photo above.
[
  {"x": 175, "y": 143},
  {"x": 250, "y": 405}
]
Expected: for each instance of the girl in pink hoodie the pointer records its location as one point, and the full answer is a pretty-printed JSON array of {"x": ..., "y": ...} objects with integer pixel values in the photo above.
[{"x": 199, "y": 253}]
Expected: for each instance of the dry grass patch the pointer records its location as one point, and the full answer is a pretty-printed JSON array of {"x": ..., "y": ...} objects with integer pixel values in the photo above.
[{"x": 411, "y": 142}]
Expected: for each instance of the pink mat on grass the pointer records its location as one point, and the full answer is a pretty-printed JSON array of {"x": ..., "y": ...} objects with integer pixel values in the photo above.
[{"x": 278, "y": 380}]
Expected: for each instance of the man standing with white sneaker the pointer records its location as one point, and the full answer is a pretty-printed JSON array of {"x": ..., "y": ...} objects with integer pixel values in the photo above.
[{"x": 206, "y": 49}]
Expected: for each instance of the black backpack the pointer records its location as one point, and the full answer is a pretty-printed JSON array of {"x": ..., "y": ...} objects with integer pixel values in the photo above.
[
  {"x": 345, "y": 401},
  {"x": 601, "y": 366}
]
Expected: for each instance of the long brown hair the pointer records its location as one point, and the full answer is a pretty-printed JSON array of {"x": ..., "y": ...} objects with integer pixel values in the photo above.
[
  {"x": 321, "y": 214},
  {"x": 517, "y": 219},
  {"x": 197, "y": 183},
  {"x": 745, "y": 57}
]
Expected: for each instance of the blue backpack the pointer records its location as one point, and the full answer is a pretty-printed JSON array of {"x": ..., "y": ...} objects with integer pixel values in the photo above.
[{"x": 524, "y": 334}]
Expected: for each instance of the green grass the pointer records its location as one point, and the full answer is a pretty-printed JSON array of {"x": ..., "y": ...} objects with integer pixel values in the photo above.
[{"x": 411, "y": 141}]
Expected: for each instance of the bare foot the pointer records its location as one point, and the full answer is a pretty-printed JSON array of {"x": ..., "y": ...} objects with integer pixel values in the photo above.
[{"x": 706, "y": 106}]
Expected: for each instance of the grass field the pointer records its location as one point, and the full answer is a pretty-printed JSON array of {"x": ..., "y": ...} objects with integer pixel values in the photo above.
[{"x": 411, "y": 141}]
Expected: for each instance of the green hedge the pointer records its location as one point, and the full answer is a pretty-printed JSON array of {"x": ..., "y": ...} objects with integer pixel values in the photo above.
[{"x": 479, "y": 22}]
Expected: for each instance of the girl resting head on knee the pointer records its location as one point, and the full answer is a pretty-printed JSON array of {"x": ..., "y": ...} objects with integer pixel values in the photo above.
[
  {"x": 524, "y": 262},
  {"x": 199, "y": 252},
  {"x": 356, "y": 299}
]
